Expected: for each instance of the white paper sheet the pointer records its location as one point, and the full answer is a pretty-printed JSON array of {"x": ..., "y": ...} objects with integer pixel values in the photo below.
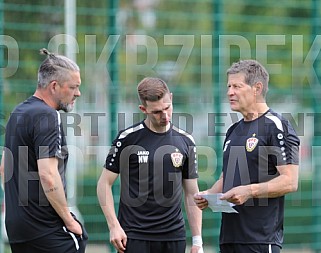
[{"x": 218, "y": 205}]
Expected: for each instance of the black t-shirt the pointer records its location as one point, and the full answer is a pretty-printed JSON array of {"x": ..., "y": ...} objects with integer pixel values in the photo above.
[
  {"x": 152, "y": 167},
  {"x": 33, "y": 132},
  {"x": 252, "y": 150}
]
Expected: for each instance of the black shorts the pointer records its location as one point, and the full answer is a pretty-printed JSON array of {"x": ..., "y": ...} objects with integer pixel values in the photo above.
[
  {"x": 59, "y": 241},
  {"x": 249, "y": 248},
  {"x": 134, "y": 246}
]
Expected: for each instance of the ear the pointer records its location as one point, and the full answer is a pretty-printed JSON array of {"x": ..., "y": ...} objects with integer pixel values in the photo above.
[
  {"x": 258, "y": 87},
  {"x": 53, "y": 86},
  {"x": 142, "y": 108}
]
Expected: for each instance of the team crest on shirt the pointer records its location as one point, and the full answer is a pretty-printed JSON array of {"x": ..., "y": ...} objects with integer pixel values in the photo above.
[
  {"x": 177, "y": 158},
  {"x": 251, "y": 143}
]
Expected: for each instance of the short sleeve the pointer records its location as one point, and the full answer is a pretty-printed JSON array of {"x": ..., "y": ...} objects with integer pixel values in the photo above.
[
  {"x": 287, "y": 143},
  {"x": 190, "y": 167},
  {"x": 47, "y": 135},
  {"x": 113, "y": 157}
]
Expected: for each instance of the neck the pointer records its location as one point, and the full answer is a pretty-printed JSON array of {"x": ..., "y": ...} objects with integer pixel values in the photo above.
[
  {"x": 156, "y": 129},
  {"x": 42, "y": 95},
  {"x": 259, "y": 110}
]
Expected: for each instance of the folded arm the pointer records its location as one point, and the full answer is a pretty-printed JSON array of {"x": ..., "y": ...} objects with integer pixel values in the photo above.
[{"x": 285, "y": 182}]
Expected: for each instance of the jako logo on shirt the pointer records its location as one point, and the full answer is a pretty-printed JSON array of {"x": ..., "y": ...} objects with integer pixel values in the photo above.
[{"x": 143, "y": 156}]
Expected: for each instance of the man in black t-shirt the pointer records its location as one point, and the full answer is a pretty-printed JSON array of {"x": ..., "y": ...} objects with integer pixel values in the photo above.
[
  {"x": 34, "y": 164},
  {"x": 156, "y": 162},
  {"x": 260, "y": 166}
]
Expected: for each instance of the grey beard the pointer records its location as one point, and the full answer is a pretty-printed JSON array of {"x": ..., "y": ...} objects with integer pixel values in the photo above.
[{"x": 65, "y": 107}]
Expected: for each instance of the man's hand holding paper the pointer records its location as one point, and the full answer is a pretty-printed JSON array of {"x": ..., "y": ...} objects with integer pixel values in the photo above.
[{"x": 215, "y": 202}]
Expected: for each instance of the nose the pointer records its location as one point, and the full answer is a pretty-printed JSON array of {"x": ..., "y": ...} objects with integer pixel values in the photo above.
[
  {"x": 165, "y": 116},
  {"x": 230, "y": 91},
  {"x": 78, "y": 93}
]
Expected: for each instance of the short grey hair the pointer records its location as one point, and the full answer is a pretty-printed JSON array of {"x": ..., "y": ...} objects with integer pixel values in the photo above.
[
  {"x": 253, "y": 71},
  {"x": 54, "y": 67}
]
